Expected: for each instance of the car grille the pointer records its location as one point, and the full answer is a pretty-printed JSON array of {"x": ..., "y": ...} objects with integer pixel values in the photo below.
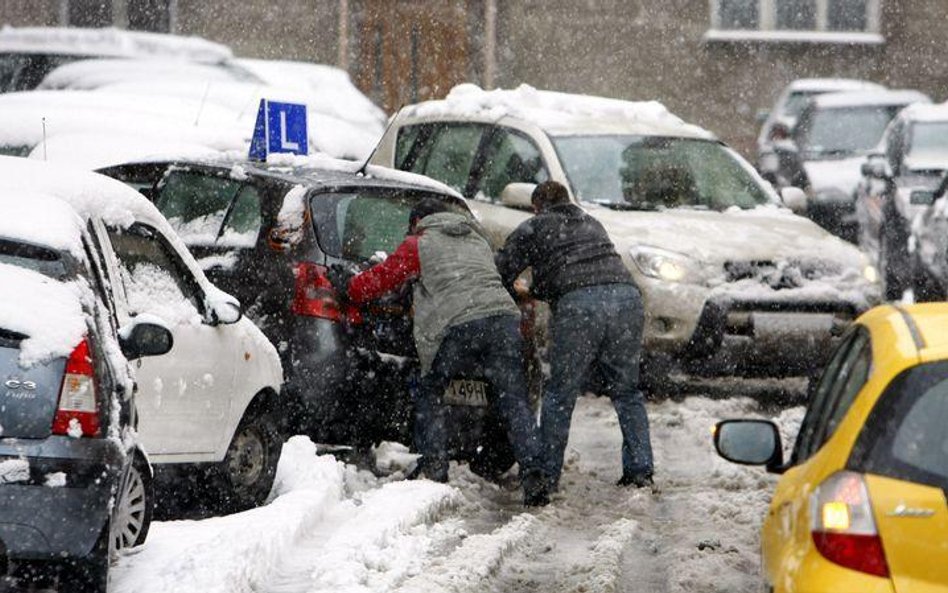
[{"x": 779, "y": 275}]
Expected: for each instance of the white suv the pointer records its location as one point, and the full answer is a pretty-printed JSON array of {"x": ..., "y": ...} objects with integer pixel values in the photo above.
[
  {"x": 733, "y": 283},
  {"x": 211, "y": 402}
]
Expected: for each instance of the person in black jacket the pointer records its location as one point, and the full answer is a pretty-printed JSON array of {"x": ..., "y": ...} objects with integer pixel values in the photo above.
[{"x": 596, "y": 323}]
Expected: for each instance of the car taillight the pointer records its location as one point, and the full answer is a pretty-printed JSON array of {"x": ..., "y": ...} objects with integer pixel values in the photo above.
[
  {"x": 77, "y": 414},
  {"x": 842, "y": 525}
]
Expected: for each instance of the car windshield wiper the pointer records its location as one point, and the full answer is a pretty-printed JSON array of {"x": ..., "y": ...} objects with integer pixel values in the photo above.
[{"x": 623, "y": 205}]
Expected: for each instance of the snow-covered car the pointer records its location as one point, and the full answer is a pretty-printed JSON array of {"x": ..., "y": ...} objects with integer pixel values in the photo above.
[
  {"x": 342, "y": 121},
  {"x": 913, "y": 155},
  {"x": 75, "y": 484},
  {"x": 267, "y": 233},
  {"x": 209, "y": 406},
  {"x": 928, "y": 244},
  {"x": 28, "y": 118},
  {"x": 732, "y": 282},
  {"x": 779, "y": 122},
  {"x": 28, "y": 54},
  {"x": 830, "y": 142}
]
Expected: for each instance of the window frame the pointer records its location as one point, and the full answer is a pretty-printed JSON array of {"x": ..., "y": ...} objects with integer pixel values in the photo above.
[
  {"x": 767, "y": 30},
  {"x": 489, "y": 144}
]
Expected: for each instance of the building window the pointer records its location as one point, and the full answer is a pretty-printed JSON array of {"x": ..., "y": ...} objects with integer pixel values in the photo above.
[
  {"x": 149, "y": 15},
  {"x": 796, "y": 20}
]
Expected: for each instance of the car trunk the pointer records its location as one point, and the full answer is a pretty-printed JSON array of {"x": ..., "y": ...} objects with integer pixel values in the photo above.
[
  {"x": 28, "y": 396},
  {"x": 912, "y": 520}
]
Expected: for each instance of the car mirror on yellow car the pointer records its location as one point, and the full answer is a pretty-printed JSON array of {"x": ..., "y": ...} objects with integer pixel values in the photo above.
[{"x": 749, "y": 442}]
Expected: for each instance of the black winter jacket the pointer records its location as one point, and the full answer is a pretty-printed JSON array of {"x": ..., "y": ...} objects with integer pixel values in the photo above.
[{"x": 567, "y": 249}]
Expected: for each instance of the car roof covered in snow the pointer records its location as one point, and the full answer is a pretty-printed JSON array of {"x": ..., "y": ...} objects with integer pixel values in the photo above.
[
  {"x": 826, "y": 85},
  {"x": 95, "y": 73},
  {"x": 881, "y": 98},
  {"x": 98, "y": 150},
  {"x": 23, "y": 115},
  {"x": 925, "y": 112},
  {"x": 109, "y": 42},
  {"x": 558, "y": 114}
]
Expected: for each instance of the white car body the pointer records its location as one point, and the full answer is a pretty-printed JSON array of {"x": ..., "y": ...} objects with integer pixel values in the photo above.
[
  {"x": 191, "y": 399},
  {"x": 676, "y": 311}
]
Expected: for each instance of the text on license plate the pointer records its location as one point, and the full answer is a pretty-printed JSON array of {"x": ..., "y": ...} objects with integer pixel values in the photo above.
[{"x": 466, "y": 392}]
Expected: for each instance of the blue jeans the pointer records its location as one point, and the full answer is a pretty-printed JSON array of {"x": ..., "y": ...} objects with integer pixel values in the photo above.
[
  {"x": 493, "y": 347},
  {"x": 596, "y": 328}
]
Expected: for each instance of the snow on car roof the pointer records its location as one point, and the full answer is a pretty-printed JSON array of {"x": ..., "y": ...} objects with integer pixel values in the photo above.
[
  {"x": 559, "y": 113},
  {"x": 109, "y": 42},
  {"x": 22, "y": 118},
  {"x": 824, "y": 85},
  {"x": 98, "y": 150},
  {"x": 91, "y": 74},
  {"x": 869, "y": 98},
  {"x": 926, "y": 112}
]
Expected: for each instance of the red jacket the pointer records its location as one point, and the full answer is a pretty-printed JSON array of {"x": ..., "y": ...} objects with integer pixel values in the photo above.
[{"x": 399, "y": 268}]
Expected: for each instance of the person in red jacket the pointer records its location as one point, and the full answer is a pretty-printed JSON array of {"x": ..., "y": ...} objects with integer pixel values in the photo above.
[{"x": 464, "y": 319}]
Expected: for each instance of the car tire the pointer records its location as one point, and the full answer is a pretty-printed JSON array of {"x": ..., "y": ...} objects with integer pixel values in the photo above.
[
  {"x": 127, "y": 527},
  {"x": 654, "y": 375},
  {"x": 244, "y": 478},
  {"x": 893, "y": 263}
]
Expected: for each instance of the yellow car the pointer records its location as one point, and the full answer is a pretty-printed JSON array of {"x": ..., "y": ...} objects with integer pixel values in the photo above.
[{"x": 861, "y": 503}]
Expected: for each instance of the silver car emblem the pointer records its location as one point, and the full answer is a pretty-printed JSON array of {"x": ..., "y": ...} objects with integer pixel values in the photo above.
[
  {"x": 904, "y": 511},
  {"x": 17, "y": 384}
]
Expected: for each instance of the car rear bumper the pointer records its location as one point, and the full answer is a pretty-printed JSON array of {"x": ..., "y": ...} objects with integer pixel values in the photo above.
[{"x": 61, "y": 508}]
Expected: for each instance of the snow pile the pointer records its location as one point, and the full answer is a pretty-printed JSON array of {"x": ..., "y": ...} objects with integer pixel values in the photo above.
[
  {"x": 14, "y": 470},
  {"x": 31, "y": 217},
  {"x": 52, "y": 317},
  {"x": 84, "y": 75},
  {"x": 557, "y": 112}
]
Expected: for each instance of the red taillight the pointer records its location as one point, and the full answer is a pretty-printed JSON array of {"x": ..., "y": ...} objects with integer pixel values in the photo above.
[
  {"x": 844, "y": 530},
  {"x": 314, "y": 295},
  {"x": 77, "y": 414},
  {"x": 858, "y": 552}
]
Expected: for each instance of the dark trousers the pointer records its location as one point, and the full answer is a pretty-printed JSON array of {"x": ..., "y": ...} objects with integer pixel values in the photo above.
[
  {"x": 493, "y": 347},
  {"x": 596, "y": 328}
]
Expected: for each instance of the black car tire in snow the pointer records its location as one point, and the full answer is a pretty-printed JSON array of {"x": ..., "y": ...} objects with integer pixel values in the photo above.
[
  {"x": 127, "y": 527},
  {"x": 244, "y": 478}
]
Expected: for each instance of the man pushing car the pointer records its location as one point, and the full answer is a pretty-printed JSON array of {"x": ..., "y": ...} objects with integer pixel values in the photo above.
[{"x": 464, "y": 319}]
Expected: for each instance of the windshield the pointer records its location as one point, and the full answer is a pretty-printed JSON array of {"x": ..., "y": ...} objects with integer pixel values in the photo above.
[
  {"x": 24, "y": 72},
  {"x": 357, "y": 225},
  {"x": 845, "y": 131},
  {"x": 647, "y": 173},
  {"x": 796, "y": 102},
  {"x": 929, "y": 140}
]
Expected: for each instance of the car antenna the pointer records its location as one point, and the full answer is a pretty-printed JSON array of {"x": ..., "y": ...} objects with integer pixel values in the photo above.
[
  {"x": 44, "y": 139},
  {"x": 207, "y": 90},
  {"x": 361, "y": 170}
]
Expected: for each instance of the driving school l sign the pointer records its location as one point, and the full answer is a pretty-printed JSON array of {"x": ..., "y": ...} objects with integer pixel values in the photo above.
[{"x": 280, "y": 127}]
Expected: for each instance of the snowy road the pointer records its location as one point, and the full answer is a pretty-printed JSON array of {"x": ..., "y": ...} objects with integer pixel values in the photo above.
[{"x": 333, "y": 528}]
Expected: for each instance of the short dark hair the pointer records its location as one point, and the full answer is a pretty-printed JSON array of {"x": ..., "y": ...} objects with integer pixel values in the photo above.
[
  {"x": 549, "y": 193},
  {"x": 425, "y": 207}
]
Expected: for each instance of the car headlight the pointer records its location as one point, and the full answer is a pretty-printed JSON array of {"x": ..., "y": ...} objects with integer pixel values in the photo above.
[
  {"x": 663, "y": 264},
  {"x": 870, "y": 273}
]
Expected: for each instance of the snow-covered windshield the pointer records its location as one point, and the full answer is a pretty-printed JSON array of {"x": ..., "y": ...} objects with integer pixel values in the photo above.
[
  {"x": 929, "y": 140},
  {"x": 24, "y": 71},
  {"x": 841, "y": 132},
  {"x": 796, "y": 101},
  {"x": 649, "y": 172}
]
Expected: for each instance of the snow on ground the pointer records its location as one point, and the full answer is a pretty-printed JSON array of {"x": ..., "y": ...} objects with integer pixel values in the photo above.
[{"x": 331, "y": 527}]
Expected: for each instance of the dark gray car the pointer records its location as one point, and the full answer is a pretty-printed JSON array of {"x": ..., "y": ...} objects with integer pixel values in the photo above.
[{"x": 74, "y": 488}]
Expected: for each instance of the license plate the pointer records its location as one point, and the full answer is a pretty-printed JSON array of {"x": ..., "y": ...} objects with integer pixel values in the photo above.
[{"x": 466, "y": 392}]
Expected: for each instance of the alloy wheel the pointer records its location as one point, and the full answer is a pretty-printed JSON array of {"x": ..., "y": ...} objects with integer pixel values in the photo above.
[{"x": 130, "y": 516}]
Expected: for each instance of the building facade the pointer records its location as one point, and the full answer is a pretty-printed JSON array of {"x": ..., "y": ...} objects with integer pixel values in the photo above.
[{"x": 713, "y": 62}]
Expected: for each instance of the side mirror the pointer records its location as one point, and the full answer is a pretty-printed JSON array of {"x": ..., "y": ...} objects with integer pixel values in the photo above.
[
  {"x": 517, "y": 195},
  {"x": 922, "y": 197},
  {"x": 875, "y": 167},
  {"x": 794, "y": 198},
  {"x": 749, "y": 442},
  {"x": 145, "y": 338},
  {"x": 223, "y": 312}
]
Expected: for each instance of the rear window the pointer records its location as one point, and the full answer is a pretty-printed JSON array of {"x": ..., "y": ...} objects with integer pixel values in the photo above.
[
  {"x": 207, "y": 209},
  {"x": 356, "y": 225},
  {"x": 906, "y": 435},
  {"x": 39, "y": 259}
]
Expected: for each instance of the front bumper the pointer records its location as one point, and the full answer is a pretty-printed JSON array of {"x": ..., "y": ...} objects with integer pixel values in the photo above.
[{"x": 48, "y": 516}]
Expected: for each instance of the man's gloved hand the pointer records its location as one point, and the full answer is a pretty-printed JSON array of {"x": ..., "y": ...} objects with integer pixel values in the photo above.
[{"x": 339, "y": 276}]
